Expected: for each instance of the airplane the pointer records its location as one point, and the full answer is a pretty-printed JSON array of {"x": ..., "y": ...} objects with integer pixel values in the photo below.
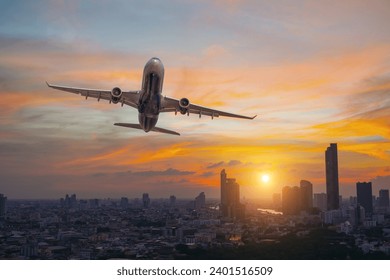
[{"x": 149, "y": 100}]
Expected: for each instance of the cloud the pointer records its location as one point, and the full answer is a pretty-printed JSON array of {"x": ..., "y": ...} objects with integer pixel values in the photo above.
[
  {"x": 167, "y": 172},
  {"x": 367, "y": 133},
  {"x": 222, "y": 163},
  {"x": 207, "y": 174},
  {"x": 215, "y": 52},
  {"x": 146, "y": 174},
  {"x": 371, "y": 94},
  {"x": 29, "y": 61},
  {"x": 215, "y": 165},
  {"x": 234, "y": 162},
  {"x": 100, "y": 174}
]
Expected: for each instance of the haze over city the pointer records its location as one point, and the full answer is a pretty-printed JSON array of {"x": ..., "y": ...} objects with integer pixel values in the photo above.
[{"x": 315, "y": 73}]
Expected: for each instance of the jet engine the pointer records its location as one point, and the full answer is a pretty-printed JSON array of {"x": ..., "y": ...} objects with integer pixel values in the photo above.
[
  {"x": 116, "y": 94},
  {"x": 184, "y": 104}
]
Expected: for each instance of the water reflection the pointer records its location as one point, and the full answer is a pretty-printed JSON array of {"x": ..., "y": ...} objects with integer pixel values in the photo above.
[{"x": 269, "y": 211}]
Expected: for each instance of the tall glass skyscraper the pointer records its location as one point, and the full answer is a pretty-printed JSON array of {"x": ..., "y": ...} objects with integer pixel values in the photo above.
[{"x": 332, "y": 177}]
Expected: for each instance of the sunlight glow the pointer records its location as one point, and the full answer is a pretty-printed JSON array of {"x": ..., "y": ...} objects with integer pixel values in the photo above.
[{"x": 265, "y": 178}]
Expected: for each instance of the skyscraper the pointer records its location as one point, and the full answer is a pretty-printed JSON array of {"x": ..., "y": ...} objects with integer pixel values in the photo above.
[
  {"x": 200, "y": 201},
  {"x": 124, "y": 202},
  {"x": 230, "y": 198},
  {"x": 332, "y": 177},
  {"x": 3, "y": 202},
  {"x": 69, "y": 201},
  {"x": 384, "y": 198},
  {"x": 306, "y": 195},
  {"x": 291, "y": 200},
  {"x": 297, "y": 199},
  {"x": 145, "y": 200},
  {"x": 223, "y": 192},
  {"x": 172, "y": 201},
  {"x": 364, "y": 196},
  {"x": 357, "y": 215}
]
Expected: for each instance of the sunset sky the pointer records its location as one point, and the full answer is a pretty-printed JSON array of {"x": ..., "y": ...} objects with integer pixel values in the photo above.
[{"x": 315, "y": 72}]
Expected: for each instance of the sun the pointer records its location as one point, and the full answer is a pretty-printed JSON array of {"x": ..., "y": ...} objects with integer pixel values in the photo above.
[{"x": 265, "y": 178}]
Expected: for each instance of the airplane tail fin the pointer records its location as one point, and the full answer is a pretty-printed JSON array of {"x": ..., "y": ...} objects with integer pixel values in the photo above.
[{"x": 138, "y": 126}]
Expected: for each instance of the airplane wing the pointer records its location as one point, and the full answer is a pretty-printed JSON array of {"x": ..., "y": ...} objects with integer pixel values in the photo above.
[
  {"x": 173, "y": 105},
  {"x": 129, "y": 98}
]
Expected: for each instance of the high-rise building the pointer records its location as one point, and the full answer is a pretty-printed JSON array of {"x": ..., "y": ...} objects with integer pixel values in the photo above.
[
  {"x": 224, "y": 200},
  {"x": 73, "y": 201},
  {"x": 383, "y": 199},
  {"x": 297, "y": 199},
  {"x": 69, "y": 201},
  {"x": 124, "y": 202},
  {"x": 332, "y": 177},
  {"x": 291, "y": 200},
  {"x": 352, "y": 200},
  {"x": 320, "y": 201},
  {"x": 3, "y": 205},
  {"x": 172, "y": 201},
  {"x": 94, "y": 203},
  {"x": 200, "y": 201},
  {"x": 356, "y": 215},
  {"x": 364, "y": 196},
  {"x": 230, "y": 198},
  {"x": 306, "y": 195},
  {"x": 145, "y": 200}
]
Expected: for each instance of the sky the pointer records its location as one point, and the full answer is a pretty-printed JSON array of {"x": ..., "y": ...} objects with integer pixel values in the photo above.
[{"x": 315, "y": 73}]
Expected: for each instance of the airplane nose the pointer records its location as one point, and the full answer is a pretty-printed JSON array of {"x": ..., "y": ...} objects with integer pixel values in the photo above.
[
  {"x": 154, "y": 61},
  {"x": 155, "y": 65}
]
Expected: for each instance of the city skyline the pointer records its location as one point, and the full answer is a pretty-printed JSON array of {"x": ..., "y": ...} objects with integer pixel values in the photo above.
[
  {"x": 144, "y": 228},
  {"x": 314, "y": 73}
]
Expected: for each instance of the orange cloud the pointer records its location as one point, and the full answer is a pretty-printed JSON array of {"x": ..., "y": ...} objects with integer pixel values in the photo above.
[{"x": 14, "y": 101}]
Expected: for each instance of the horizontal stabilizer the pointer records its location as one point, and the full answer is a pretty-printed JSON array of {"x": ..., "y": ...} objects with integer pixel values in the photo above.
[
  {"x": 129, "y": 125},
  {"x": 138, "y": 126},
  {"x": 162, "y": 130}
]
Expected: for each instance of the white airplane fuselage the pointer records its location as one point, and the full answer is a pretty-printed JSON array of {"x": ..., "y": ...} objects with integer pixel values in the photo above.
[{"x": 150, "y": 95}]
